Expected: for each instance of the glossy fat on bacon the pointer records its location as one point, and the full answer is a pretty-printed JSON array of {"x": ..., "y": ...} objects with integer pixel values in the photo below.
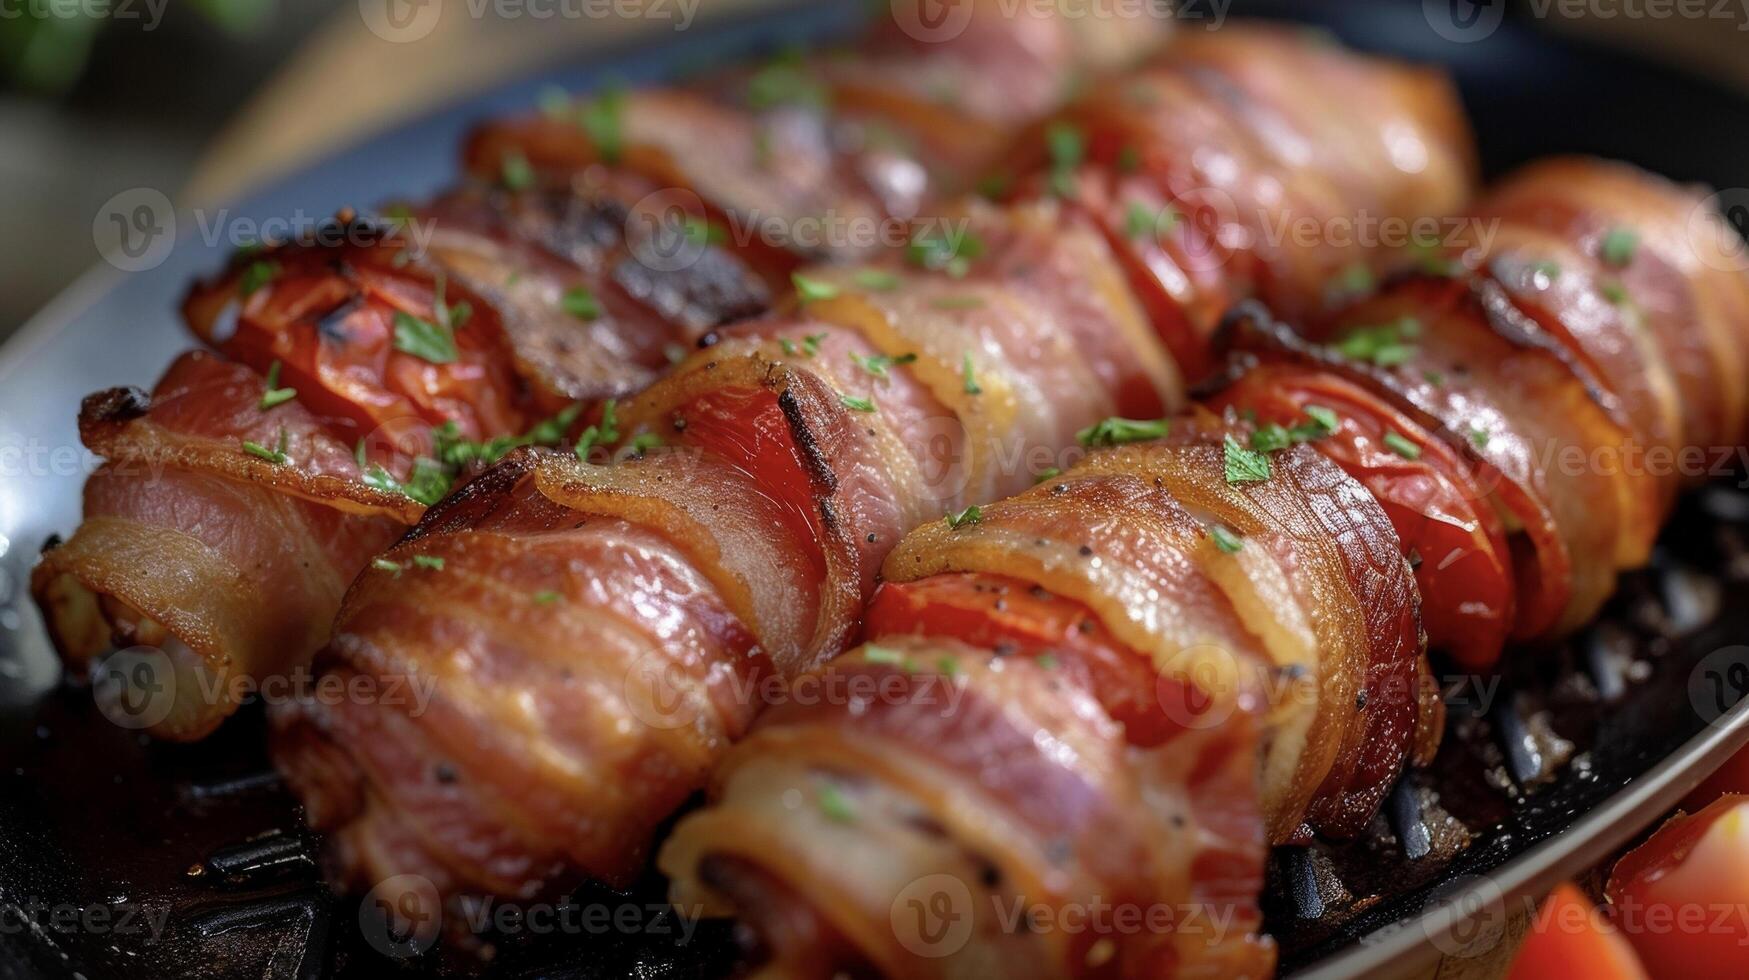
[
  {"x": 231, "y": 563},
  {"x": 1252, "y": 161},
  {"x": 1057, "y": 703},
  {"x": 779, "y": 465}
]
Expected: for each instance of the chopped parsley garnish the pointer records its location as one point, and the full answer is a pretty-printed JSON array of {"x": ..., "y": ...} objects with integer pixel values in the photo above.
[
  {"x": 856, "y": 404},
  {"x": 834, "y": 804},
  {"x": 787, "y": 345},
  {"x": 994, "y": 186},
  {"x": 545, "y": 597},
  {"x": 879, "y": 280},
  {"x": 515, "y": 172},
  {"x": 811, "y": 343},
  {"x": 457, "y": 453},
  {"x": 1046, "y": 661},
  {"x": 968, "y": 373},
  {"x": 1117, "y": 431},
  {"x": 423, "y": 339},
  {"x": 1067, "y": 147},
  {"x": 1140, "y": 222},
  {"x": 580, "y": 303},
  {"x": 603, "y": 118},
  {"x": 1397, "y": 443},
  {"x": 810, "y": 290},
  {"x": 1225, "y": 539},
  {"x": 942, "y": 251},
  {"x": 882, "y": 655},
  {"x": 1615, "y": 292},
  {"x": 1325, "y": 420},
  {"x": 643, "y": 442},
  {"x": 257, "y": 275},
  {"x": 1270, "y": 437},
  {"x": 1619, "y": 246},
  {"x": 274, "y": 395},
  {"x": 385, "y": 565},
  {"x": 1356, "y": 279},
  {"x": 1244, "y": 465},
  {"x": 428, "y": 561},
  {"x": 971, "y": 515},
  {"x": 702, "y": 232},
  {"x": 447, "y": 316},
  {"x": 275, "y": 456},
  {"x": 877, "y": 364},
  {"x": 1479, "y": 436},
  {"x": 1386, "y": 345},
  {"x": 1049, "y": 473},
  {"x": 605, "y": 432},
  {"x": 785, "y": 80},
  {"x": 1433, "y": 378},
  {"x": 1549, "y": 270}
]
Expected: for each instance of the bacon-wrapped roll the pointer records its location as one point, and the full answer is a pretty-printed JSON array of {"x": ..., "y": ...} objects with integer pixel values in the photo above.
[
  {"x": 1057, "y": 704},
  {"x": 421, "y": 349},
  {"x": 1527, "y": 404},
  {"x": 217, "y": 531},
  {"x": 782, "y": 463}
]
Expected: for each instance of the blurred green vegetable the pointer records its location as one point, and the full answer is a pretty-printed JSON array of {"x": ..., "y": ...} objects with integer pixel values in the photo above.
[{"x": 46, "y": 44}]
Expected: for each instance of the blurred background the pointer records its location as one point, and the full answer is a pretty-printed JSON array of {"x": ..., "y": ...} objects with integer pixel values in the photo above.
[{"x": 204, "y": 98}]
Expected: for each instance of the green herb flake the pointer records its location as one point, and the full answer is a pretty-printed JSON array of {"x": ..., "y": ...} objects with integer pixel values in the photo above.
[
  {"x": 810, "y": 290},
  {"x": 1225, "y": 539},
  {"x": 811, "y": 343},
  {"x": 857, "y": 404},
  {"x": 1129, "y": 159},
  {"x": 787, "y": 345},
  {"x": 1619, "y": 245},
  {"x": 1270, "y": 437},
  {"x": 834, "y": 804},
  {"x": 701, "y": 232},
  {"x": 1046, "y": 661},
  {"x": 1141, "y": 221},
  {"x": 580, "y": 303},
  {"x": 603, "y": 118},
  {"x": 1615, "y": 292},
  {"x": 258, "y": 274},
  {"x": 515, "y": 172},
  {"x": 1397, "y": 443},
  {"x": 274, "y": 396},
  {"x": 1116, "y": 431},
  {"x": 428, "y": 561},
  {"x": 1355, "y": 280},
  {"x": 643, "y": 442},
  {"x": 879, "y": 280},
  {"x": 994, "y": 186},
  {"x": 1067, "y": 146},
  {"x": 1323, "y": 419},
  {"x": 384, "y": 565},
  {"x": 948, "y": 666},
  {"x": 423, "y": 339},
  {"x": 971, "y": 515},
  {"x": 1244, "y": 465},
  {"x": 545, "y": 597},
  {"x": 275, "y": 456},
  {"x": 1479, "y": 437},
  {"x": 944, "y": 251},
  {"x": 1050, "y": 473},
  {"x": 968, "y": 373},
  {"x": 1386, "y": 345}
]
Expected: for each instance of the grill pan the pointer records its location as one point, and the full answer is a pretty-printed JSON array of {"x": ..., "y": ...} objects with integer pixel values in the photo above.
[{"x": 122, "y": 858}]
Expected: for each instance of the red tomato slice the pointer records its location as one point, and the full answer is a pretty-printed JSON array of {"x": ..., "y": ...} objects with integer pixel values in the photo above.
[
  {"x": 1463, "y": 565},
  {"x": 1018, "y": 619},
  {"x": 1682, "y": 897},
  {"x": 1572, "y": 938}
]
